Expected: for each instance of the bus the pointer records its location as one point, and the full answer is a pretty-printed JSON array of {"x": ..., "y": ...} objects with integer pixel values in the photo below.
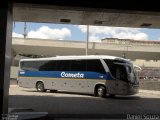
[{"x": 93, "y": 74}]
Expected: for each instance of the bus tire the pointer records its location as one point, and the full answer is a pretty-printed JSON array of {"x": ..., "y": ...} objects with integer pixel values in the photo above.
[
  {"x": 40, "y": 87},
  {"x": 100, "y": 91}
]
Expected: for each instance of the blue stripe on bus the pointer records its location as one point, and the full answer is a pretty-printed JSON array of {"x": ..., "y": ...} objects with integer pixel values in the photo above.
[{"x": 57, "y": 74}]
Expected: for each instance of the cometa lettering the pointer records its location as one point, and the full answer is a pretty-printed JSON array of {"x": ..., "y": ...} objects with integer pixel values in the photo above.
[{"x": 71, "y": 75}]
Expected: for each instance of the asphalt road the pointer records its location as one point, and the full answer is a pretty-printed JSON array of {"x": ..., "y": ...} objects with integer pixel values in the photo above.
[{"x": 63, "y": 103}]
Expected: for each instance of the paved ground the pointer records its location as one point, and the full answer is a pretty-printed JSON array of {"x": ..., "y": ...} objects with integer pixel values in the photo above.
[
  {"x": 144, "y": 102},
  {"x": 13, "y": 82}
]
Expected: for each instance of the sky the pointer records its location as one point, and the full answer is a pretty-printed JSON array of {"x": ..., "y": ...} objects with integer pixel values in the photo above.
[{"x": 78, "y": 32}]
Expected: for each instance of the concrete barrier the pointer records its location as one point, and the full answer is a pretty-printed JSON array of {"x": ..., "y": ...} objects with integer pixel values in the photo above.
[{"x": 149, "y": 84}]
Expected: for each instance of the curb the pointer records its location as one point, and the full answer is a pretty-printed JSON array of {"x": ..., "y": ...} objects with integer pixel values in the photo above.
[{"x": 150, "y": 92}]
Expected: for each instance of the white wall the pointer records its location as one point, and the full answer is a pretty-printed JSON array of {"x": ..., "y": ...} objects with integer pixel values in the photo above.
[
  {"x": 14, "y": 72},
  {"x": 144, "y": 63}
]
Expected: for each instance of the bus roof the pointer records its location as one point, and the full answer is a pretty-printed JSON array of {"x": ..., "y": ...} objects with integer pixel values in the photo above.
[{"x": 76, "y": 58}]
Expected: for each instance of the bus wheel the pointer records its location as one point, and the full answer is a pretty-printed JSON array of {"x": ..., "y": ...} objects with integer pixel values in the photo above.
[
  {"x": 40, "y": 87},
  {"x": 101, "y": 91}
]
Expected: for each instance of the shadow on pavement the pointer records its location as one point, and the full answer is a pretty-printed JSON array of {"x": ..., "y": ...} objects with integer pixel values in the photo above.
[
  {"x": 122, "y": 97},
  {"x": 90, "y": 106}
]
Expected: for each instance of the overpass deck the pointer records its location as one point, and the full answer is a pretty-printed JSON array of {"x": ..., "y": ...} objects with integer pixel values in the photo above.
[{"x": 133, "y": 50}]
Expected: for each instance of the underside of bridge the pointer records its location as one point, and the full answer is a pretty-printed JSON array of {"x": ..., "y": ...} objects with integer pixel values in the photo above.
[
  {"x": 87, "y": 15},
  {"x": 122, "y": 13}
]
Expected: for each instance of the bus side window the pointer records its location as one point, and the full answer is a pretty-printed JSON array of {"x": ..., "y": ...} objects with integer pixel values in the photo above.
[
  {"x": 78, "y": 65},
  {"x": 29, "y": 65},
  {"x": 95, "y": 66},
  {"x": 63, "y": 65},
  {"x": 48, "y": 65}
]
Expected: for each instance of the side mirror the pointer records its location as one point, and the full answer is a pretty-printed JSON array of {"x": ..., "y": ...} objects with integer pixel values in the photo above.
[{"x": 137, "y": 68}]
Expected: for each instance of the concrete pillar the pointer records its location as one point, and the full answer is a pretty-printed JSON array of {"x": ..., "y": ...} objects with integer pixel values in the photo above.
[
  {"x": 5, "y": 52},
  {"x": 13, "y": 55}
]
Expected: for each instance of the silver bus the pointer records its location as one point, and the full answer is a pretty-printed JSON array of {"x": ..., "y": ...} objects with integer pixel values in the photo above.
[{"x": 92, "y": 74}]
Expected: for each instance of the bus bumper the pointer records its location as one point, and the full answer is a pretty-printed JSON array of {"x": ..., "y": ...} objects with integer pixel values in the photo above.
[{"x": 132, "y": 89}]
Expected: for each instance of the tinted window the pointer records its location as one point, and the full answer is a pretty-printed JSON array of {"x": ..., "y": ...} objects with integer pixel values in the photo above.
[
  {"x": 48, "y": 66},
  {"x": 118, "y": 71},
  {"x": 63, "y": 65},
  {"x": 31, "y": 65},
  {"x": 95, "y": 66},
  {"x": 78, "y": 65}
]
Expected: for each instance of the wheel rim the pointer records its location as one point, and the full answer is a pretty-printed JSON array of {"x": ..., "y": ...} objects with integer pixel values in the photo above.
[
  {"x": 40, "y": 87},
  {"x": 100, "y": 92}
]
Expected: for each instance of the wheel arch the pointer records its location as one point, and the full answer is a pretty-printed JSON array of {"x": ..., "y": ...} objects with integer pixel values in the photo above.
[
  {"x": 38, "y": 82},
  {"x": 99, "y": 84}
]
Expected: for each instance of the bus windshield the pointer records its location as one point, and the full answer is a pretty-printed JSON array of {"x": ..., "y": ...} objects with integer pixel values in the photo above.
[{"x": 121, "y": 70}]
